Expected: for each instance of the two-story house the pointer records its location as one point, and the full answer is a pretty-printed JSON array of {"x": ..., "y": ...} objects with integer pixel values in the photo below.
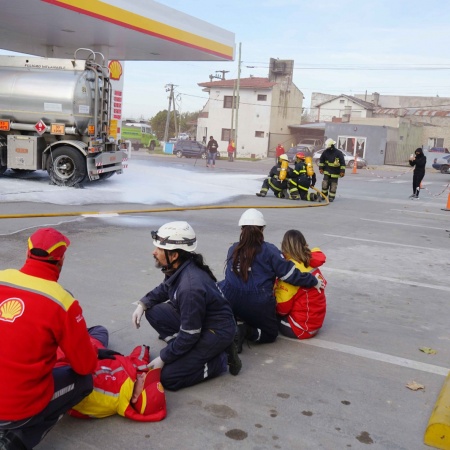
[{"x": 261, "y": 118}]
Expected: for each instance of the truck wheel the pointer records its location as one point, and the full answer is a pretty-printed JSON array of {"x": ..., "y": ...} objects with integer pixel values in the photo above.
[
  {"x": 152, "y": 145},
  {"x": 136, "y": 146},
  {"x": 66, "y": 166}
]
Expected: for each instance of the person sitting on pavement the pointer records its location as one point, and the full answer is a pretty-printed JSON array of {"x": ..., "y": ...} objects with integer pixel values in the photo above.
[
  {"x": 277, "y": 179},
  {"x": 189, "y": 312},
  {"x": 123, "y": 385},
  {"x": 301, "y": 311},
  {"x": 252, "y": 266},
  {"x": 302, "y": 180},
  {"x": 37, "y": 315}
]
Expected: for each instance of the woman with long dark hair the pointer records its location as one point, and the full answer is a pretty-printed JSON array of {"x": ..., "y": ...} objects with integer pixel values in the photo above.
[{"x": 252, "y": 266}]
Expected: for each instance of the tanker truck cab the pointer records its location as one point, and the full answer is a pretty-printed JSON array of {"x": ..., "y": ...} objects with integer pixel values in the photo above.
[{"x": 55, "y": 116}]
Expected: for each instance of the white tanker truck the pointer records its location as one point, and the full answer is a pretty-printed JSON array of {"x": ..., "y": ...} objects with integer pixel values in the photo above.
[{"x": 55, "y": 116}]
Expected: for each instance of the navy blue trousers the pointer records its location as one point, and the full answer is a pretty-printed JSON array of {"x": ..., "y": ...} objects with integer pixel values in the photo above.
[{"x": 207, "y": 359}]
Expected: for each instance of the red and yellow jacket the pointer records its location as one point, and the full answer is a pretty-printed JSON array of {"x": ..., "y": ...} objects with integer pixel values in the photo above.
[
  {"x": 113, "y": 388},
  {"x": 37, "y": 315},
  {"x": 305, "y": 308}
]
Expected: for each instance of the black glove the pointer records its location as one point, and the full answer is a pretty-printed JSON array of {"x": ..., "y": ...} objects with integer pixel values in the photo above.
[{"x": 106, "y": 353}]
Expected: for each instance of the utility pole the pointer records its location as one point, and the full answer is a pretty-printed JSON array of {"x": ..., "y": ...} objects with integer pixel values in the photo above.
[
  {"x": 223, "y": 72},
  {"x": 237, "y": 99},
  {"x": 169, "y": 88}
]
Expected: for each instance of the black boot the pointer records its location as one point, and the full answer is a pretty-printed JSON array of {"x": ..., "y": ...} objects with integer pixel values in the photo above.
[
  {"x": 260, "y": 194},
  {"x": 244, "y": 331},
  {"x": 234, "y": 362},
  {"x": 9, "y": 441}
]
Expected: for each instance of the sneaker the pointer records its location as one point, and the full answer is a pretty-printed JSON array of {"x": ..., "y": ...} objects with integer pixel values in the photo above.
[
  {"x": 234, "y": 362},
  {"x": 412, "y": 196},
  {"x": 415, "y": 197}
]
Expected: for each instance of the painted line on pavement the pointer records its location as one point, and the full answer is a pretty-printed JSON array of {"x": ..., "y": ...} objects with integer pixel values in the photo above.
[
  {"x": 379, "y": 242},
  {"x": 352, "y": 274},
  {"x": 402, "y": 224},
  {"x": 419, "y": 212},
  {"x": 376, "y": 356}
]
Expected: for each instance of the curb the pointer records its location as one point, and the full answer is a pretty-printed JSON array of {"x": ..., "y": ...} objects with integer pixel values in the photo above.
[{"x": 437, "y": 433}]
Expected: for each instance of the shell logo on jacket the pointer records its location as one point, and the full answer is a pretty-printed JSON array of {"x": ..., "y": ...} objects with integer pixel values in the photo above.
[{"x": 11, "y": 309}]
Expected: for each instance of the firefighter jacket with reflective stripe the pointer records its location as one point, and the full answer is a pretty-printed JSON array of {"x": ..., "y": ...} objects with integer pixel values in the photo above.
[
  {"x": 200, "y": 304},
  {"x": 305, "y": 308},
  {"x": 332, "y": 162},
  {"x": 299, "y": 177},
  {"x": 36, "y": 316},
  {"x": 268, "y": 265}
]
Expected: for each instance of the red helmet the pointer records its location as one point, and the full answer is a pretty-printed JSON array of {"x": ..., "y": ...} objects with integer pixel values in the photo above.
[{"x": 300, "y": 155}]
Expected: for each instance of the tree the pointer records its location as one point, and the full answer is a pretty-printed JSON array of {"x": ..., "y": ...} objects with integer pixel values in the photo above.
[{"x": 158, "y": 124}]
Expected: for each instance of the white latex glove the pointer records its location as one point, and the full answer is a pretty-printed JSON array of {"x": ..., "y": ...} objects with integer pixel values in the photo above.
[
  {"x": 319, "y": 284},
  {"x": 136, "y": 317},
  {"x": 157, "y": 363}
]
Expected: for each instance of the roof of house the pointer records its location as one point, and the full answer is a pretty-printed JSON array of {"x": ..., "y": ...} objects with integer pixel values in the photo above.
[
  {"x": 244, "y": 83},
  {"x": 402, "y": 112},
  {"x": 364, "y": 104}
]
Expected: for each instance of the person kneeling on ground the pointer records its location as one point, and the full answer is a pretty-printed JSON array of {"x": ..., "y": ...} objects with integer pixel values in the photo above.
[
  {"x": 277, "y": 179},
  {"x": 189, "y": 312},
  {"x": 301, "y": 311},
  {"x": 37, "y": 315}
]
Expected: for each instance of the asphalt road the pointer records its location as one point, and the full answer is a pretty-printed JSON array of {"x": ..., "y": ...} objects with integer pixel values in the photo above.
[{"x": 388, "y": 296}]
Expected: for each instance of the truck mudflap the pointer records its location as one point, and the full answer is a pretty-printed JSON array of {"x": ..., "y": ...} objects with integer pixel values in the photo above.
[{"x": 105, "y": 164}]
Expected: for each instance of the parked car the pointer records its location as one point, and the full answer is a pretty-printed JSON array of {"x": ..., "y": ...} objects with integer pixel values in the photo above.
[
  {"x": 190, "y": 149},
  {"x": 298, "y": 148},
  {"x": 312, "y": 144},
  {"x": 349, "y": 159},
  {"x": 439, "y": 150},
  {"x": 442, "y": 164}
]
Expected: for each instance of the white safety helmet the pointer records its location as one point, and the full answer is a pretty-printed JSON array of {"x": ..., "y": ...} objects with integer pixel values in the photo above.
[
  {"x": 329, "y": 142},
  {"x": 252, "y": 217},
  {"x": 175, "y": 235},
  {"x": 283, "y": 156}
]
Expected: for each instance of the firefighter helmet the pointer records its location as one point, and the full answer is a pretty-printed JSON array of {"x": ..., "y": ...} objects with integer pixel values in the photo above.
[
  {"x": 175, "y": 236},
  {"x": 252, "y": 217},
  {"x": 300, "y": 155},
  {"x": 283, "y": 157},
  {"x": 329, "y": 143}
]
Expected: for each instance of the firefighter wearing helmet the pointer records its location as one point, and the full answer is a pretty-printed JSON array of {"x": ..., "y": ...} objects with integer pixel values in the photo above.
[
  {"x": 188, "y": 312},
  {"x": 303, "y": 178},
  {"x": 332, "y": 166},
  {"x": 278, "y": 177}
]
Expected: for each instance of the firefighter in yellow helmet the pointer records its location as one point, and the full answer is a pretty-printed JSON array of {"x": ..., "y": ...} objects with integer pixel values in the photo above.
[
  {"x": 332, "y": 166},
  {"x": 303, "y": 178},
  {"x": 277, "y": 180}
]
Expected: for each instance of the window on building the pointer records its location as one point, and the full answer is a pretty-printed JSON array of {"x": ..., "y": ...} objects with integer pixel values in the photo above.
[
  {"x": 435, "y": 142},
  {"x": 226, "y": 134},
  {"x": 259, "y": 134},
  {"x": 341, "y": 101},
  {"x": 262, "y": 98},
  {"x": 228, "y": 101},
  {"x": 353, "y": 144}
]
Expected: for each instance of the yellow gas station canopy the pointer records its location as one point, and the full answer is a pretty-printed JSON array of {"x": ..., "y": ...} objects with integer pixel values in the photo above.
[{"x": 137, "y": 30}]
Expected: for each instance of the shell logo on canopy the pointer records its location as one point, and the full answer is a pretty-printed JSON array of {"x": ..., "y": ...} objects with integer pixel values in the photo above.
[
  {"x": 11, "y": 309},
  {"x": 115, "y": 69}
]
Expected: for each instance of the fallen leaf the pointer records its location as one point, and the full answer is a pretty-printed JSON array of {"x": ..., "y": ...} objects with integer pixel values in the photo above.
[
  {"x": 414, "y": 386},
  {"x": 428, "y": 350}
]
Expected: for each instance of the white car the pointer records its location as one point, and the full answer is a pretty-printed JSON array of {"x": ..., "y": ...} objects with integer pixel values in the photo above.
[{"x": 349, "y": 159}]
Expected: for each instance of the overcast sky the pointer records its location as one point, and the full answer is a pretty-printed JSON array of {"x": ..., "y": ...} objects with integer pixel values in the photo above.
[{"x": 323, "y": 37}]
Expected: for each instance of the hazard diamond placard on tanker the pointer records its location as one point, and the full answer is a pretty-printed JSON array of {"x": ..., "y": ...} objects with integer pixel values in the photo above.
[{"x": 40, "y": 127}]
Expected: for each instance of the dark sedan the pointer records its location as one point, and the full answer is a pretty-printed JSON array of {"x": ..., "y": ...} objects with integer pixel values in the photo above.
[{"x": 190, "y": 149}]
